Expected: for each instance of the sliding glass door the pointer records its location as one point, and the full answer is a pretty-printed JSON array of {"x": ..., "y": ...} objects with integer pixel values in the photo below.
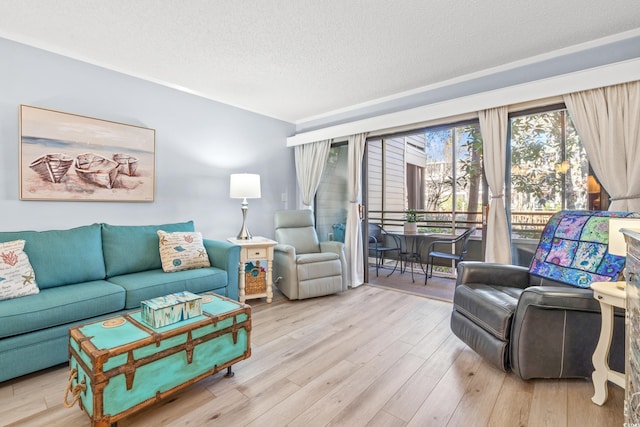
[{"x": 331, "y": 199}]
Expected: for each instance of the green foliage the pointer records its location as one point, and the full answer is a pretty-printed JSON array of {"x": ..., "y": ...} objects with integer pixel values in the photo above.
[
  {"x": 540, "y": 143},
  {"x": 469, "y": 165},
  {"x": 410, "y": 215},
  {"x": 470, "y": 169}
]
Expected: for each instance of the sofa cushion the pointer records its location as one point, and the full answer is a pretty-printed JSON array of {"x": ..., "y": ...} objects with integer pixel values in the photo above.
[
  {"x": 208, "y": 279},
  {"x": 62, "y": 257},
  {"x": 59, "y": 305},
  {"x": 490, "y": 307},
  {"x": 316, "y": 257},
  {"x": 133, "y": 248},
  {"x": 17, "y": 278},
  {"x": 182, "y": 251},
  {"x": 155, "y": 283}
]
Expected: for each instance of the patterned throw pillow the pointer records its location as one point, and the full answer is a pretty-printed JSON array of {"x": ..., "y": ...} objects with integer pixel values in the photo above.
[
  {"x": 182, "y": 251},
  {"x": 16, "y": 274}
]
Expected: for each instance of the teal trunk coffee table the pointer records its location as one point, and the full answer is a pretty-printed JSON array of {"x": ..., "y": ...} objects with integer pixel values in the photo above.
[{"x": 120, "y": 365}]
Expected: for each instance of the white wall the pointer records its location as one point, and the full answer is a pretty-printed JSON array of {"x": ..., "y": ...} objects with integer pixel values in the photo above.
[{"x": 198, "y": 144}]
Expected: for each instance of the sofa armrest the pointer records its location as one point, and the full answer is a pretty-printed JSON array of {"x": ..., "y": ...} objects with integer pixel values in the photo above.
[
  {"x": 226, "y": 256},
  {"x": 492, "y": 274}
]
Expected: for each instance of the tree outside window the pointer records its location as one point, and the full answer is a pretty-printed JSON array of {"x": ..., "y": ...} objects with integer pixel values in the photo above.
[
  {"x": 453, "y": 183},
  {"x": 549, "y": 170}
]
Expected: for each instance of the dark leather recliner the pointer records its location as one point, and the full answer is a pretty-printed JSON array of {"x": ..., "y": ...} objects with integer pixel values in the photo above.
[{"x": 535, "y": 326}]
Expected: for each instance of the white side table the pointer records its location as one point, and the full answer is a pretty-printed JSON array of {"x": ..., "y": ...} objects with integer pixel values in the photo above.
[
  {"x": 609, "y": 295},
  {"x": 255, "y": 249}
]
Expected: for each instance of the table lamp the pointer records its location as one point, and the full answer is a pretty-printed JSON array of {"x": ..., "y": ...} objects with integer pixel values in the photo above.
[
  {"x": 244, "y": 186},
  {"x": 617, "y": 243}
]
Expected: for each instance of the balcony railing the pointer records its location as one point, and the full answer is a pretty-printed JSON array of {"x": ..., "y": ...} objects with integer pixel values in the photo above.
[
  {"x": 524, "y": 224},
  {"x": 430, "y": 221},
  {"x": 526, "y": 228}
]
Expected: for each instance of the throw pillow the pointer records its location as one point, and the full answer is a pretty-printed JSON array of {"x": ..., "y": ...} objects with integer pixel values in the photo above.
[
  {"x": 182, "y": 251},
  {"x": 16, "y": 274}
]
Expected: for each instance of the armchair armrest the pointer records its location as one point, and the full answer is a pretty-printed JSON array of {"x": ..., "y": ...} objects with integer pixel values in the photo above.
[
  {"x": 555, "y": 330},
  {"x": 332, "y": 246},
  {"x": 286, "y": 250},
  {"x": 492, "y": 274},
  {"x": 284, "y": 258},
  {"x": 558, "y": 297},
  {"x": 285, "y": 274},
  {"x": 338, "y": 248},
  {"x": 226, "y": 256}
]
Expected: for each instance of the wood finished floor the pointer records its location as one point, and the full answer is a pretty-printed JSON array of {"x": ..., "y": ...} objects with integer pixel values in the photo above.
[
  {"x": 439, "y": 286},
  {"x": 366, "y": 357}
]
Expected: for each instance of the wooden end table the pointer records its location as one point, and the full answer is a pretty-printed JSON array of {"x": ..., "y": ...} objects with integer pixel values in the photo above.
[
  {"x": 609, "y": 295},
  {"x": 255, "y": 249}
]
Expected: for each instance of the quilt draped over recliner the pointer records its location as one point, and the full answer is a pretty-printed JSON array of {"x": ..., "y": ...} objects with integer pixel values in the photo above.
[{"x": 573, "y": 249}]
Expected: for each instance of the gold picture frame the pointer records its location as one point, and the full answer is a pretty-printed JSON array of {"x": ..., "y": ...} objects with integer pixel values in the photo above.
[{"x": 69, "y": 157}]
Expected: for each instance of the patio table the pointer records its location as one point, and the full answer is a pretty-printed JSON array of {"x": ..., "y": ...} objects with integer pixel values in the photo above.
[{"x": 411, "y": 252}]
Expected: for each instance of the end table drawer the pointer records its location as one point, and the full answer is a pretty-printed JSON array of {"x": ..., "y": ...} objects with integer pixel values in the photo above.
[{"x": 255, "y": 253}]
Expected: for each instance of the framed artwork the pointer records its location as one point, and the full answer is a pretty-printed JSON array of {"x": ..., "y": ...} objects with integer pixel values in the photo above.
[{"x": 76, "y": 158}]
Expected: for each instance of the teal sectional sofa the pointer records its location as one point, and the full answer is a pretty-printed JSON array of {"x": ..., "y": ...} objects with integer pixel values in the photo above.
[{"x": 95, "y": 271}]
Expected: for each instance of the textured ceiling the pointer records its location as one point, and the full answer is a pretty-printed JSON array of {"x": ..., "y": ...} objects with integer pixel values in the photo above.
[{"x": 298, "y": 59}]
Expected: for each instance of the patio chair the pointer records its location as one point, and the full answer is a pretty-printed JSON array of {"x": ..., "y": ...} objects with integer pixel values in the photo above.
[
  {"x": 382, "y": 244},
  {"x": 455, "y": 255}
]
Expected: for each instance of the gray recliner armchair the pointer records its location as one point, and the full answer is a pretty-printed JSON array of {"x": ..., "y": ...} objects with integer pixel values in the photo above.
[{"x": 304, "y": 267}]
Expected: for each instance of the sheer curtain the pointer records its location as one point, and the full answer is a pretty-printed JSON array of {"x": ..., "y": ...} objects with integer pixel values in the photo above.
[
  {"x": 310, "y": 161},
  {"x": 608, "y": 122},
  {"x": 353, "y": 231},
  {"x": 493, "y": 126}
]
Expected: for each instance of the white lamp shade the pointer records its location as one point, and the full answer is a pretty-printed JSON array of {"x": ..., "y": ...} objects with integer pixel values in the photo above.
[
  {"x": 617, "y": 244},
  {"x": 244, "y": 185}
]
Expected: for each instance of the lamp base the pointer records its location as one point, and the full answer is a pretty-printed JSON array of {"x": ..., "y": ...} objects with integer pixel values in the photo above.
[{"x": 244, "y": 232}]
